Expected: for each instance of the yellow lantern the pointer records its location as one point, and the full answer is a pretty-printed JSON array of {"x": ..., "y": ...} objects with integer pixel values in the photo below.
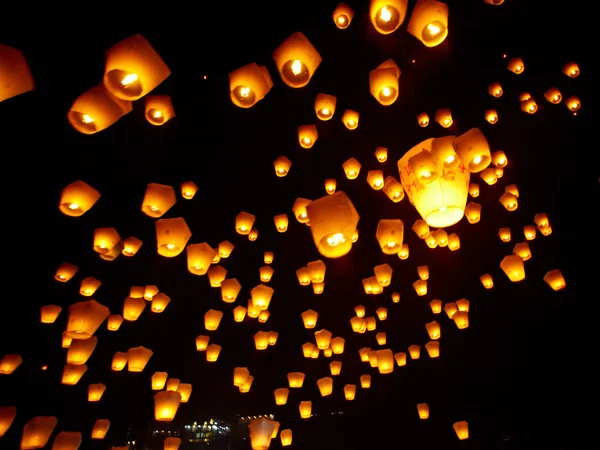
[
  {"x": 524, "y": 96},
  {"x": 474, "y": 190},
  {"x": 383, "y": 274},
  {"x": 541, "y": 220},
  {"x": 429, "y": 22},
  {"x": 133, "y": 308},
  {"x": 414, "y": 351},
  {"x": 489, "y": 176},
  {"x": 325, "y": 386},
  {"x": 166, "y": 404},
  {"x": 66, "y": 340},
  {"x": 88, "y": 286},
  {"x": 253, "y": 235},
  {"x": 509, "y": 201},
  {"x": 381, "y": 338},
  {"x": 131, "y": 246},
  {"x": 382, "y": 313},
  {"x": 487, "y": 281},
  {"x": 529, "y": 106},
  {"x": 308, "y": 348},
  {"x": 159, "y": 109},
  {"x": 95, "y": 392},
  {"x": 461, "y": 429},
  {"x": 335, "y": 367},
  {"x": 100, "y": 429},
  {"x": 443, "y": 116},
  {"x": 436, "y": 306},
  {"x": 77, "y": 198},
  {"x": 375, "y": 179},
  {"x": 149, "y": 292},
  {"x": 105, "y": 239},
  {"x": 383, "y": 82},
  {"x": 309, "y": 318},
  {"x": 240, "y": 374},
  {"x": 523, "y": 251},
  {"x": 513, "y": 267},
  {"x": 199, "y": 258},
  {"x": 504, "y": 234},
  {"x": 133, "y": 68},
  {"x": 499, "y": 159},
  {"x": 530, "y": 232},
  {"x": 333, "y": 220},
  {"x": 330, "y": 185},
  {"x": 351, "y": 168},
  {"x": 436, "y": 187},
  {"x": 342, "y": 17},
  {"x": 160, "y": 302},
  {"x": 423, "y": 272},
  {"x": 239, "y": 313},
  {"x": 350, "y": 391},
  {"x": 172, "y": 235},
  {"x": 261, "y": 432},
  {"x": 573, "y": 103},
  {"x": 65, "y": 272},
  {"x": 268, "y": 257},
  {"x": 37, "y": 432},
  {"x": 389, "y": 235},
  {"x": 393, "y": 189},
  {"x": 495, "y": 89},
  {"x": 305, "y": 409},
  {"x": 212, "y": 352},
  {"x": 553, "y": 95},
  {"x": 286, "y": 437},
  {"x": 420, "y": 287},
  {"x": 307, "y": 136},
  {"x": 423, "y": 411},
  {"x": 387, "y": 15},
  {"x": 281, "y": 396},
  {"x": 158, "y": 199},
  {"x": 381, "y": 154},
  {"x": 404, "y": 252},
  {"x": 261, "y": 296},
  {"x": 266, "y": 273},
  {"x": 212, "y": 319},
  {"x": 473, "y": 150},
  {"x": 244, "y": 222},
  {"x": 85, "y": 318},
  {"x": 473, "y": 212},
  {"x": 453, "y": 242},
  {"x": 295, "y": 379},
  {"x": 317, "y": 271},
  {"x": 80, "y": 350},
  {"x": 463, "y": 305},
  {"x": 365, "y": 381},
  {"x": 158, "y": 381},
  {"x": 441, "y": 237},
  {"x": 571, "y": 69},
  {"x": 299, "y": 210},
  {"x": 323, "y": 339},
  {"x": 172, "y": 443},
  {"x": 137, "y": 358},
  {"x": 385, "y": 361},
  {"x": 516, "y": 65},
  {"x": 16, "y": 76},
  {"x": 230, "y": 288},
  {"x": 282, "y": 166},
  {"x": 555, "y": 280},
  {"x": 350, "y": 119},
  {"x": 433, "y": 349},
  {"x": 188, "y": 189},
  {"x": 400, "y": 358},
  {"x": 49, "y": 313},
  {"x": 96, "y": 109},
  {"x": 10, "y": 363},
  {"x": 281, "y": 222},
  {"x": 72, "y": 374},
  {"x": 491, "y": 115},
  {"x": 337, "y": 345},
  {"x": 325, "y": 106},
  {"x": 296, "y": 60},
  {"x": 423, "y": 119},
  {"x": 249, "y": 84}
]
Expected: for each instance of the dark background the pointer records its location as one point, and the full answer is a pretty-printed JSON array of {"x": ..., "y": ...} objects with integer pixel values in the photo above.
[{"x": 513, "y": 374}]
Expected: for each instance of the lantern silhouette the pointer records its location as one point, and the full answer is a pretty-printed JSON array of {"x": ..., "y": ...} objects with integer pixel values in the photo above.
[
  {"x": 37, "y": 432},
  {"x": 72, "y": 374},
  {"x": 400, "y": 358},
  {"x": 307, "y": 136},
  {"x": 133, "y": 68},
  {"x": 85, "y": 318},
  {"x": 172, "y": 235},
  {"x": 171, "y": 443},
  {"x": 351, "y": 168},
  {"x": 571, "y": 69},
  {"x": 325, "y": 106},
  {"x": 160, "y": 302},
  {"x": 365, "y": 381},
  {"x": 429, "y": 22},
  {"x": 188, "y": 189},
  {"x": 516, "y": 65},
  {"x": 49, "y": 313},
  {"x": 325, "y": 386},
  {"x": 491, "y": 115},
  {"x": 10, "y": 363},
  {"x": 159, "y": 109},
  {"x": 296, "y": 60},
  {"x": 77, "y": 198},
  {"x": 282, "y": 166},
  {"x": 96, "y": 109},
  {"x": 383, "y": 82},
  {"x": 333, "y": 219},
  {"x": 158, "y": 380},
  {"x": 350, "y": 119},
  {"x": 7, "y": 417},
  {"x": 199, "y": 258},
  {"x": 166, "y": 404},
  {"x": 100, "y": 429},
  {"x": 185, "y": 389},
  {"x": 295, "y": 379},
  {"x": 261, "y": 432},
  {"x": 137, "y": 358},
  {"x": 555, "y": 280},
  {"x": 249, "y": 84},
  {"x": 80, "y": 350},
  {"x": 461, "y": 429},
  {"x": 423, "y": 411},
  {"x": 487, "y": 281},
  {"x": 305, "y": 408},
  {"x": 65, "y": 272},
  {"x": 389, "y": 235},
  {"x": 387, "y": 15}
]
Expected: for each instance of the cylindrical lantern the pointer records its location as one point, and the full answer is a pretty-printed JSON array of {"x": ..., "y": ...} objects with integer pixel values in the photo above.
[
  {"x": 249, "y": 84},
  {"x": 429, "y": 22},
  {"x": 383, "y": 82},
  {"x": 172, "y": 235},
  {"x": 296, "y": 60},
  {"x": 387, "y": 15},
  {"x": 96, "y": 109}
]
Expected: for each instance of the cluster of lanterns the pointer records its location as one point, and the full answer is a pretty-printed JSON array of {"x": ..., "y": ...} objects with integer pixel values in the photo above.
[{"x": 435, "y": 176}]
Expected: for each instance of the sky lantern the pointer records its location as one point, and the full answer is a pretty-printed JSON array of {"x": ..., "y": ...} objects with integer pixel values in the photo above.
[
  {"x": 573, "y": 103},
  {"x": 261, "y": 432},
  {"x": 88, "y": 286},
  {"x": 541, "y": 221},
  {"x": 365, "y": 381},
  {"x": 105, "y": 239},
  {"x": 286, "y": 437},
  {"x": 37, "y": 432},
  {"x": 383, "y": 274},
  {"x": 158, "y": 199},
  {"x": 166, "y": 404},
  {"x": 188, "y": 189},
  {"x": 100, "y": 429},
  {"x": 172, "y": 442},
  {"x": 325, "y": 106},
  {"x": 77, "y": 198},
  {"x": 421, "y": 228},
  {"x": 133, "y": 308},
  {"x": 305, "y": 408},
  {"x": 150, "y": 291},
  {"x": 96, "y": 109},
  {"x": 383, "y": 82},
  {"x": 261, "y": 340},
  {"x": 173, "y": 384},
  {"x": 423, "y": 119},
  {"x": 133, "y": 68},
  {"x": 307, "y": 136},
  {"x": 158, "y": 109},
  {"x": 337, "y": 345},
  {"x": 325, "y": 386},
  {"x": 323, "y": 338},
  {"x": 529, "y": 106},
  {"x": 434, "y": 330},
  {"x": 266, "y": 273},
  {"x": 351, "y": 168},
  {"x": 295, "y": 379},
  {"x": 249, "y": 84},
  {"x": 522, "y": 250},
  {"x": 335, "y": 367},
  {"x": 429, "y": 22},
  {"x": 131, "y": 246},
  {"x": 491, "y": 115},
  {"x": 513, "y": 267},
  {"x": 281, "y": 222},
  {"x": 393, "y": 189},
  {"x": 420, "y": 287},
  {"x": 330, "y": 186},
  {"x": 389, "y": 235},
  {"x": 72, "y": 373},
  {"x": 350, "y": 391},
  {"x": 473, "y": 212},
  {"x": 172, "y": 235},
  {"x": 240, "y": 374},
  {"x": 414, "y": 351},
  {"x": 296, "y": 60},
  {"x": 385, "y": 361},
  {"x": 489, "y": 176},
  {"x": 553, "y": 95},
  {"x": 350, "y": 119},
  {"x": 387, "y": 15},
  {"x": 67, "y": 440},
  {"x": 80, "y": 350},
  {"x": 555, "y": 279},
  {"x": 443, "y": 116},
  {"x": 158, "y": 380},
  {"x": 244, "y": 222},
  {"x": 65, "y": 272},
  {"x": 487, "y": 280},
  {"x": 10, "y": 363},
  {"x": 96, "y": 391},
  {"x": 342, "y": 17},
  {"x": 282, "y": 166},
  {"x": 375, "y": 179},
  {"x": 253, "y": 235},
  {"x": 15, "y": 75},
  {"x": 137, "y": 358},
  {"x": 400, "y": 358},
  {"x": 333, "y": 219},
  {"x": 436, "y": 306},
  {"x": 212, "y": 319},
  {"x": 381, "y": 338},
  {"x": 261, "y": 296},
  {"x": 159, "y": 302},
  {"x": 85, "y": 318},
  {"x": 423, "y": 411},
  {"x": 381, "y": 153},
  {"x": 516, "y": 65},
  {"x": 281, "y": 396},
  {"x": 49, "y": 313},
  {"x": 461, "y": 429},
  {"x": 495, "y": 89},
  {"x": 473, "y": 150},
  {"x": 309, "y": 318},
  {"x": 185, "y": 389},
  {"x": 199, "y": 258},
  {"x": 268, "y": 257},
  {"x": 571, "y": 69},
  {"x": 433, "y": 349}
]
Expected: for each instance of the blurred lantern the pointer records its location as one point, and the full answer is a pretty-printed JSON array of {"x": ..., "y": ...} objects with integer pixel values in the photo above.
[
  {"x": 131, "y": 246},
  {"x": 72, "y": 374},
  {"x": 516, "y": 65},
  {"x": 65, "y": 272},
  {"x": 487, "y": 281},
  {"x": 393, "y": 189},
  {"x": 423, "y": 411},
  {"x": 166, "y": 404},
  {"x": 383, "y": 82},
  {"x": 240, "y": 374},
  {"x": 253, "y": 235},
  {"x": 307, "y": 136},
  {"x": 317, "y": 271},
  {"x": 325, "y": 106},
  {"x": 158, "y": 199},
  {"x": 463, "y": 305},
  {"x": 420, "y": 287},
  {"x": 96, "y": 109},
  {"x": 400, "y": 358},
  {"x": 395, "y": 297},
  {"x": 105, "y": 239},
  {"x": 10, "y": 363},
  {"x": 299, "y": 210},
  {"x": 350, "y": 119},
  {"x": 185, "y": 389},
  {"x": 281, "y": 222},
  {"x": 158, "y": 381},
  {"x": 77, "y": 198},
  {"x": 429, "y": 22},
  {"x": 282, "y": 166},
  {"x": 389, "y": 235},
  {"x": 199, "y": 258},
  {"x": 499, "y": 159},
  {"x": 365, "y": 381},
  {"x": 149, "y": 292},
  {"x": 171, "y": 443},
  {"x": 80, "y": 350},
  {"x": 202, "y": 342},
  {"x": 443, "y": 116},
  {"x": 296, "y": 60},
  {"x": 15, "y": 75},
  {"x": 245, "y": 388},
  {"x": 212, "y": 352},
  {"x": 381, "y": 154},
  {"x": 387, "y": 15},
  {"x": 434, "y": 330},
  {"x": 555, "y": 280},
  {"x": 66, "y": 340},
  {"x": 273, "y": 336},
  {"x": 295, "y": 379},
  {"x": 173, "y": 384},
  {"x": 49, "y": 313},
  {"x": 529, "y": 106},
  {"x": 160, "y": 302},
  {"x": 433, "y": 349},
  {"x": 509, "y": 201},
  {"x": 491, "y": 115},
  {"x": 473, "y": 150},
  {"x": 249, "y": 84},
  {"x": 553, "y": 95},
  {"x": 382, "y": 313},
  {"x": 450, "y": 309},
  {"x": 85, "y": 318},
  {"x": 138, "y": 358},
  {"x": 350, "y": 391},
  {"x": 489, "y": 176},
  {"x": 436, "y": 306},
  {"x": 188, "y": 189},
  {"x": 100, "y": 429},
  {"x": 495, "y": 89},
  {"x": 523, "y": 251},
  {"x": 252, "y": 311},
  {"x": 261, "y": 432},
  {"x": 37, "y": 432},
  {"x": 571, "y": 69},
  {"x": 530, "y": 232},
  {"x": 461, "y": 429},
  {"x": 342, "y": 17},
  {"x": 351, "y": 168},
  {"x": 453, "y": 242},
  {"x": 330, "y": 185},
  {"x": 96, "y": 391},
  {"x": 375, "y": 179},
  {"x": 172, "y": 235},
  {"x": 305, "y": 409},
  {"x": 159, "y": 109}
]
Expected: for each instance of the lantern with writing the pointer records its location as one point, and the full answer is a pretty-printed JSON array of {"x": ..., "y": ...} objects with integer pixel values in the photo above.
[
  {"x": 296, "y": 60},
  {"x": 383, "y": 82},
  {"x": 96, "y": 109},
  {"x": 387, "y": 15},
  {"x": 429, "y": 22},
  {"x": 249, "y": 84}
]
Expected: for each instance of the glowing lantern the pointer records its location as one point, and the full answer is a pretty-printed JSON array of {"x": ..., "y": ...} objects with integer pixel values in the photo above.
[
  {"x": 387, "y": 15},
  {"x": 342, "y": 17},
  {"x": 383, "y": 274},
  {"x": 249, "y": 84},
  {"x": 330, "y": 185},
  {"x": 281, "y": 396},
  {"x": 216, "y": 275},
  {"x": 261, "y": 432},
  {"x": 385, "y": 361},
  {"x": 393, "y": 189},
  {"x": 158, "y": 199},
  {"x": 573, "y": 103},
  {"x": 513, "y": 267},
  {"x": 286, "y": 437},
  {"x": 88, "y": 286},
  {"x": 240, "y": 374},
  {"x": 137, "y": 359},
  {"x": 489, "y": 176},
  {"x": 49, "y": 313},
  {"x": 529, "y": 106},
  {"x": 523, "y": 251},
  {"x": 433, "y": 349},
  {"x": 337, "y": 345},
  {"x": 16, "y": 78},
  {"x": 212, "y": 319},
  {"x": 389, "y": 235},
  {"x": 414, "y": 351},
  {"x": 133, "y": 308},
  {"x": 309, "y": 318},
  {"x": 504, "y": 234},
  {"x": 268, "y": 257},
  {"x": 365, "y": 381},
  {"x": 96, "y": 109},
  {"x": 400, "y": 358},
  {"x": 323, "y": 339},
  {"x": 325, "y": 386},
  {"x": 530, "y": 232},
  {"x": 430, "y": 241},
  {"x": 188, "y": 189},
  {"x": 159, "y": 109},
  {"x": 487, "y": 281},
  {"x": 66, "y": 340},
  {"x": 509, "y": 201},
  {"x": 119, "y": 361},
  {"x": 355, "y": 236},
  {"x": 244, "y": 222},
  {"x": 404, "y": 252},
  {"x": 261, "y": 296},
  {"x": 212, "y": 352},
  {"x": 100, "y": 429},
  {"x": 166, "y": 404},
  {"x": 295, "y": 379},
  {"x": 473, "y": 212},
  {"x": 85, "y": 318},
  {"x": 383, "y": 82},
  {"x": 423, "y": 272},
  {"x": 281, "y": 222},
  {"x": 172, "y": 235},
  {"x": 553, "y": 95},
  {"x": 473, "y": 150},
  {"x": 395, "y": 297},
  {"x": 252, "y": 311},
  {"x": 80, "y": 350},
  {"x": 491, "y": 115},
  {"x": 282, "y": 166},
  {"x": 185, "y": 389},
  {"x": 172, "y": 443},
  {"x": 307, "y": 136},
  {"x": 420, "y": 287},
  {"x": 429, "y": 22},
  {"x": 325, "y": 106},
  {"x": 516, "y": 65},
  {"x": 381, "y": 154},
  {"x": 382, "y": 313},
  {"x": 266, "y": 273},
  {"x": 199, "y": 258},
  {"x": 512, "y": 189},
  {"x": 72, "y": 374},
  {"x": 305, "y": 409},
  {"x": 463, "y": 305},
  {"x": 158, "y": 380},
  {"x": 149, "y": 292},
  {"x": 441, "y": 237},
  {"x": 296, "y": 60},
  {"x": 253, "y": 235},
  {"x": 131, "y": 246},
  {"x": 423, "y": 411},
  {"x": 443, "y": 116},
  {"x": 461, "y": 429},
  {"x": 375, "y": 179},
  {"x": 317, "y": 271},
  {"x": 495, "y": 89},
  {"x": 436, "y": 186},
  {"x": 541, "y": 220},
  {"x": 10, "y": 363},
  {"x": 524, "y": 96},
  {"x": 133, "y": 68},
  {"x": 453, "y": 242},
  {"x": 37, "y": 432},
  {"x": 555, "y": 280},
  {"x": 499, "y": 159},
  {"x": 434, "y": 330},
  {"x": 436, "y": 306},
  {"x": 95, "y": 392},
  {"x": 105, "y": 239},
  {"x": 77, "y": 198},
  {"x": 571, "y": 69},
  {"x": 264, "y": 316},
  {"x": 65, "y": 272},
  {"x": 173, "y": 384},
  {"x": 423, "y": 119},
  {"x": 350, "y": 119},
  {"x": 160, "y": 302},
  {"x": 333, "y": 219},
  {"x": 351, "y": 168},
  {"x": 381, "y": 338}
]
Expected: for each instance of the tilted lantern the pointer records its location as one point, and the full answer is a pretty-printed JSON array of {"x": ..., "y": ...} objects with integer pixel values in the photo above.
[
  {"x": 499, "y": 159},
  {"x": 212, "y": 319},
  {"x": 423, "y": 119},
  {"x": 96, "y": 109},
  {"x": 261, "y": 296},
  {"x": 131, "y": 246},
  {"x": 261, "y": 432},
  {"x": 461, "y": 429},
  {"x": 333, "y": 220},
  {"x": 72, "y": 374},
  {"x": 105, "y": 239},
  {"x": 393, "y": 189},
  {"x": 80, "y": 350},
  {"x": 172, "y": 443},
  {"x": 389, "y": 235},
  {"x": 573, "y": 103},
  {"x": 299, "y": 210},
  {"x": 325, "y": 106},
  {"x": 555, "y": 280},
  {"x": 158, "y": 199},
  {"x": 10, "y": 363},
  {"x": 307, "y": 136},
  {"x": 65, "y": 272},
  {"x": 383, "y": 82},
  {"x": 133, "y": 68},
  {"x": 172, "y": 235},
  {"x": 420, "y": 287},
  {"x": 375, "y": 179},
  {"x": 429, "y": 22},
  {"x": 473, "y": 150},
  {"x": 37, "y": 432},
  {"x": 383, "y": 274},
  {"x": 571, "y": 69},
  {"x": 249, "y": 84},
  {"x": 325, "y": 385},
  {"x": 282, "y": 166},
  {"x": 15, "y": 78},
  {"x": 443, "y": 116},
  {"x": 185, "y": 389},
  {"x": 77, "y": 198},
  {"x": 244, "y": 222},
  {"x": 88, "y": 286},
  {"x": 387, "y": 15},
  {"x": 491, "y": 115},
  {"x": 323, "y": 338},
  {"x": 49, "y": 313},
  {"x": 296, "y": 60},
  {"x": 495, "y": 89},
  {"x": 159, "y": 109},
  {"x": 513, "y": 267},
  {"x": 381, "y": 153},
  {"x": 100, "y": 429},
  {"x": 85, "y": 318},
  {"x": 158, "y": 380},
  {"x": 487, "y": 281},
  {"x": 342, "y": 17},
  {"x": 434, "y": 330},
  {"x": 509, "y": 201},
  {"x": 529, "y": 106},
  {"x": 436, "y": 306}
]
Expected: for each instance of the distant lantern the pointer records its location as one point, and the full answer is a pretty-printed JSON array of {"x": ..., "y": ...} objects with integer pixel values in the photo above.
[
  {"x": 65, "y": 272},
  {"x": 159, "y": 109},
  {"x": 429, "y": 22},
  {"x": 323, "y": 338},
  {"x": 72, "y": 374},
  {"x": 333, "y": 219},
  {"x": 185, "y": 389},
  {"x": 286, "y": 437},
  {"x": 491, "y": 115},
  {"x": 393, "y": 189},
  {"x": 133, "y": 68},
  {"x": 495, "y": 89},
  {"x": 381, "y": 338},
  {"x": 212, "y": 352},
  {"x": 440, "y": 200},
  {"x": 529, "y": 106},
  {"x": 350, "y": 391},
  {"x": 330, "y": 186},
  {"x": 383, "y": 82},
  {"x": 188, "y": 189},
  {"x": 487, "y": 281},
  {"x": 96, "y": 391},
  {"x": 555, "y": 280},
  {"x": 225, "y": 248},
  {"x": 249, "y": 84},
  {"x": 420, "y": 287},
  {"x": 49, "y": 313},
  {"x": 15, "y": 74},
  {"x": 261, "y": 340},
  {"x": 553, "y": 95},
  {"x": 37, "y": 432},
  {"x": 473, "y": 150},
  {"x": 441, "y": 237},
  {"x": 77, "y": 198},
  {"x": 212, "y": 319},
  {"x": 244, "y": 222},
  {"x": 96, "y": 109},
  {"x": 571, "y": 69},
  {"x": 266, "y": 273},
  {"x": 100, "y": 429},
  {"x": 530, "y": 232},
  {"x": 137, "y": 358},
  {"x": 10, "y": 363},
  {"x": 282, "y": 166},
  {"x": 342, "y": 17},
  {"x": 80, "y": 350},
  {"x": 85, "y": 318},
  {"x": 493, "y": 2},
  {"x": 158, "y": 199},
  {"x": 513, "y": 267},
  {"x": 305, "y": 409},
  {"x": 199, "y": 258},
  {"x": 316, "y": 271},
  {"x": 295, "y": 379},
  {"x": 443, "y": 116},
  {"x": 396, "y": 297},
  {"x": 389, "y": 235},
  {"x": 387, "y": 15},
  {"x": 423, "y": 272},
  {"x": 351, "y": 168},
  {"x": 423, "y": 119},
  {"x": 166, "y": 404},
  {"x": 160, "y": 302},
  {"x": 385, "y": 361},
  {"x": 253, "y": 235},
  {"x": 473, "y": 212},
  {"x": 296, "y": 60},
  {"x": 172, "y": 235},
  {"x": 516, "y": 65},
  {"x": 202, "y": 342},
  {"x": 131, "y": 246},
  {"x": 325, "y": 106},
  {"x": 461, "y": 429},
  {"x": 307, "y": 136},
  {"x": 423, "y": 411},
  {"x": 350, "y": 119},
  {"x": 172, "y": 443},
  {"x": 375, "y": 179},
  {"x": 173, "y": 384},
  {"x": 573, "y": 103},
  {"x": 381, "y": 154}
]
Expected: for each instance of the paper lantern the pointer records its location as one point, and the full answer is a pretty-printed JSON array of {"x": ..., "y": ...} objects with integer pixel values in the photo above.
[
  {"x": 295, "y": 379},
  {"x": 105, "y": 239},
  {"x": 381, "y": 338},
  {"x": 172, "y": 235},
  {"x": 138, "y": 358},
  {"x": 77, "y": 198},
  {"x": 443, "y": 116},
  {"x": 351, "y": 168},
  {"x": 461, "y": 429},
  {"x": 330, "y": 186},
  {"x": 487, "y": 281},
  {"x": 316, "y": 271},
  {"x": 100, "y": 429},
  {"x": 420, "y": 287},
  {"x": 325, "y": 106},
  {"x": 296, "y": 60},
  {"x": 333, "y": 219},
  {"x": 393, "y": 189},
  {"x": 342, "y": 17},
  {"x": 249, "y": 84},
  {"x": 282, "y": 166},
  {"x": 383, "y": 274},
  {"x": 85, "y": 318},
  {"x": 158, "y": 109},
  {"x": 307, "y": 136},
  {"x": 133, "y": 68},
  {"x": 510, "y": 201},
  {"x": 350, "y": 119},
  {"x": 529, "y": 106},
  {"x": 553, "y": 95},
  {"x": 158, "y": 199},
  {"x": 516, "y": 65},
  {"x": 573, "y": 103},
  {"x": 473, "y": 212},
  {"x": 212, "y": 319},
  {"x": 72, "y": 374},
  {"x": 337, "y": 345},
  {"x": 383, "y": 82},
  {"x": 172, "y": 443},
  {"x": 199, "y": 258},
  {"x": 273, "y": 336},
  {"x": 385, "y": 361},
  {"x": 429, "y": 22},
  {"x": 375, "y": 179},
  {"x": 37, "y": 432},
  {"x": 571, "y": 69},
  {"x": 96, "y": 391},
  {"x": 436, "y": 187},
  {"x": 495, "y": 89},
  {"x": 244, "y": 222},
  {"x": 65, "y": 272},
  {"x": 149, "y": 292},
  {"x": 491, "y": 115},
  {"x": 266, "y": 273},
  {"x": 131, "y": 246},
  {"x": 513, "y": 267},
  {"x": 15, "y": 75},
  {"x": 555, "y": 280},
  {"x": 10, "y": 363},
  {"x": 49, "y": 313},
  {"x": 305, "y": 409},
  {"x": 261, "y": 296},
  {"x": 325, "y": 386},
  {"x": 423, "y": 119},
  {"x": 188, "y": 189},
  {"x": 381, "y": 154},
  {"x": 365, "y": 381},
  {"x": 80, "y": 350},
  {"x": 261, "y": 432},
  {"x": 166, "y": 404},
  {"x": 387, "y": 15},
  {"x": 433, "y": 349},
  {"x": 389, "y": 235},
  {"x": 119, "y": 361},
  {"x": 434, "y": 330},
  {"x": 185, "y": 389},
  {"x": 286, "y": 437},
  {"x": 160, "y": 302},
  {"x": 159, "y": 380},
  {"x": 281, "y": 222},
  {"x": 309, "y": 318},
  {"x": 323, "y": 338},
  {"x": 96, "y": 109},
  {"x": 253, "y": 235},
  {"x": 473, "y": 150}
]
